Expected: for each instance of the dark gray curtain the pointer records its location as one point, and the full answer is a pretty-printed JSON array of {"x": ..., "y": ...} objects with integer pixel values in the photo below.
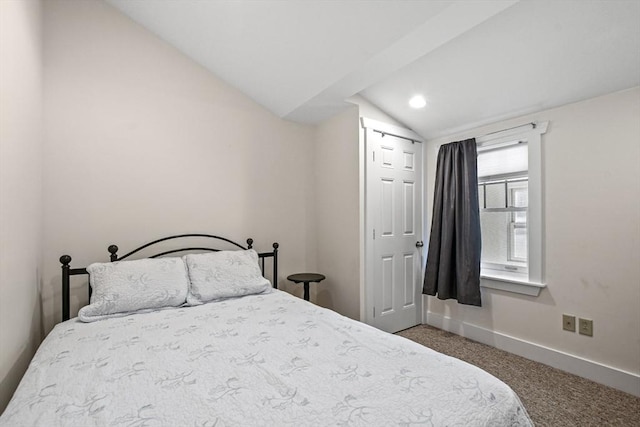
[{"x": 453, "y": 260}]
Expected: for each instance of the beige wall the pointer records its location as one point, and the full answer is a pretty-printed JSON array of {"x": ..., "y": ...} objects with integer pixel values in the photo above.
[
  {"x": 338, "y": 213},
  {"x": 20, "y": 188},
  {"x": 141, "y": 143},
  {"x": 591, "y": 161}
]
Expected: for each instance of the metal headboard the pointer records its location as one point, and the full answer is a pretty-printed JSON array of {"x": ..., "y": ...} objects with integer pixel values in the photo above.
[{"x": 67, "y": 271}]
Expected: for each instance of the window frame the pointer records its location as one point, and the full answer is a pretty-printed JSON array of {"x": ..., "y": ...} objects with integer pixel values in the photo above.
[{"x": 533, "y": 281}]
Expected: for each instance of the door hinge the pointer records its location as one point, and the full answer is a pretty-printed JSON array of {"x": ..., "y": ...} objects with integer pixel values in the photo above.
[
  {"x": 374, "y": 157},
  {"x": 374, "y": 234},
  {"x": 374, "y": 312}
]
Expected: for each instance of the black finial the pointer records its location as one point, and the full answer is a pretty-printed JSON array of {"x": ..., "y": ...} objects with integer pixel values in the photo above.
[
  {"x": 113, "y": 250},
  {"x": 65, "y": 260},
  {"x": 276, "y": 246},
  {"x": 250, "y": 242}
]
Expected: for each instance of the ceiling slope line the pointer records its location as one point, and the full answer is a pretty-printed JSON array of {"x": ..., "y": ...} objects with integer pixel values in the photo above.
[{"x": 453, "y": 21}]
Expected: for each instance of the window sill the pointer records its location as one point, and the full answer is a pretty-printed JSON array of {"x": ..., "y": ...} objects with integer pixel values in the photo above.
[{"x": 506, "y": 283}]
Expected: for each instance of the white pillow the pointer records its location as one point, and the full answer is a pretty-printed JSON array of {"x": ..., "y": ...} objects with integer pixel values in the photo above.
[
  {"x": 125, "y": 287},
  {"x": 224, "y": 274}
]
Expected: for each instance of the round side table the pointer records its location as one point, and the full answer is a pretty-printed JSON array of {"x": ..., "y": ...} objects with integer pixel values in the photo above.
[{"x": 306, "y": 278}]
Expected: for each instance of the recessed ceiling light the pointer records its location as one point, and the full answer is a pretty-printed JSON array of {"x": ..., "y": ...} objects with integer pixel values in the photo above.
[{"x": 417, "y": 101}]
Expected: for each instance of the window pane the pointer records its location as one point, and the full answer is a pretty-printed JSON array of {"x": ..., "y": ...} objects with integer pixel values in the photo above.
[
  {"x": 495, "y": 195},
  {"x": 519, "y": 244},
  {"x": 510, "y": 159},
  {"x": 518, "y": 194},
  {"x": 495, "y": 226},
  {"x": 481, "y": 196},
  {"x": 520, "y": 217},
  {"x": 504, "y": 241}
]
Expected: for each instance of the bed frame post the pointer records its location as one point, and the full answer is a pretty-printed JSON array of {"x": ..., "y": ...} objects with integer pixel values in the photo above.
[
  {"x": 249, "y": 243},
  {"x": 65, "y": 260},
  {"x": 275, "y": 265}
]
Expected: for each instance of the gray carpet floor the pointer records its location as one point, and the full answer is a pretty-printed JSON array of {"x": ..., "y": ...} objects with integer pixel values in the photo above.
[{"x": 551, "y": 397}]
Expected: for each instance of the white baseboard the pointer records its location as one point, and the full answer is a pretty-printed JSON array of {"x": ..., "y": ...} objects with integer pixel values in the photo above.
[{"x": 603, "y": 374}]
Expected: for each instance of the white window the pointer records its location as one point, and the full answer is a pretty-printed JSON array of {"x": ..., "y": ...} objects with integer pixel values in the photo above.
[{"x": 510, "y": 198}]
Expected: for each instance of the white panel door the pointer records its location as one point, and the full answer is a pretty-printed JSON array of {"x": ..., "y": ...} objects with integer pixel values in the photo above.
[{"x": 394, "y": 221}]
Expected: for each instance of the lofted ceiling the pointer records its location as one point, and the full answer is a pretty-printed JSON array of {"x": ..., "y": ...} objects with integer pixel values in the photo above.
[{"x": 474, "y": 61}]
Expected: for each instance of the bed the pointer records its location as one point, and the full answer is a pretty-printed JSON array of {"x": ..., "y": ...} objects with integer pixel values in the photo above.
[{"x": 250, "y": 357}]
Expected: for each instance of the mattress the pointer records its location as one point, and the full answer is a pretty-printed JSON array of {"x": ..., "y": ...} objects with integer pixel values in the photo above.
[{"x": 260, "y": 360}]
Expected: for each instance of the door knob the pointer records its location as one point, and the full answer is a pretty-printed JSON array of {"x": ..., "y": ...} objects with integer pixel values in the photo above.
[{"x": 419, "y": 244}]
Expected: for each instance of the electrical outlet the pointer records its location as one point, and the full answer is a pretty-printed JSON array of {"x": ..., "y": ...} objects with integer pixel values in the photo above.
[
  {"x": 569, "y": 323},
  {"x": 585, "y": 327}
]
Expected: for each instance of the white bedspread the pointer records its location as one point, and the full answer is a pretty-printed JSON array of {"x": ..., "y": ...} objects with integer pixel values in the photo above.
[{"x": 269, "y": 359}]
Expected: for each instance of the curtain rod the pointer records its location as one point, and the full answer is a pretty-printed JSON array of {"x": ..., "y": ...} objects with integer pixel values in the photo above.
[
  {"x": 397, "y": 136},
  {"x": 488, "y": 135}
]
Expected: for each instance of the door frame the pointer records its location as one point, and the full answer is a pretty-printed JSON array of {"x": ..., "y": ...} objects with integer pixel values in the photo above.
[{"x": 368, "y": 126}]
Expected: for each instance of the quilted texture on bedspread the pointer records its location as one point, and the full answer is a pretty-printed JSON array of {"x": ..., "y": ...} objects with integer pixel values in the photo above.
[{"x": 269, "y": 359}]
